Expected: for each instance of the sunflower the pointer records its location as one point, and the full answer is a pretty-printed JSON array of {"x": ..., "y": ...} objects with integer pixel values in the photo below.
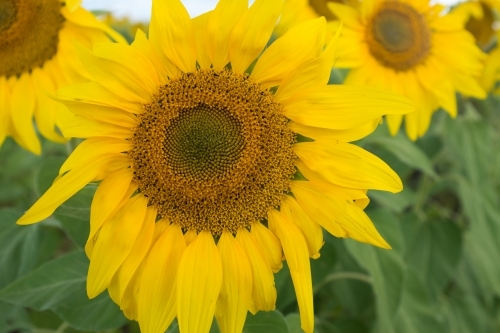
[
  {"x": 409, "y": 47},
  {"x": 211, "y": 174},
  {"x": 480, "y": 17},
  {"x": 37, "y": 57}
]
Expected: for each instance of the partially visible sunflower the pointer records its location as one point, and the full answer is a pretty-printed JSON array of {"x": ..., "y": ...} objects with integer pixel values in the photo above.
[
  {"x": 203, "y": 166},
  {"x": 37, "y": 57},
  {"x": 409, "y": 47},
  {"x": 480, "y": 17}
]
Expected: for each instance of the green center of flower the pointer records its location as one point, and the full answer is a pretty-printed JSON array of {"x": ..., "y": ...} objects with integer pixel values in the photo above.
[
  {"x": 203, "y": 142},
  {"x": 398, "y": 36},
  {"x": 213, "y": 151},
  {"x": 29, "y": 34},
  {"x": 8, "y": 13}
]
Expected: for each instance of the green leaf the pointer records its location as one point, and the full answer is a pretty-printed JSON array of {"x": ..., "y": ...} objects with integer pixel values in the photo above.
[
  {"x": 406, "y": 151},
  {"x": 23, "y": 248},
  {"x": 397, "y": 202},
  {"x": 464, "y": 314},
  {"x": 433, "y": 250},
  {"x": 59, "y": 285},
  {"x": 266, "y": 322},
  {"x": 417, "y": 314},
  {"x": 385, "y": 267}
]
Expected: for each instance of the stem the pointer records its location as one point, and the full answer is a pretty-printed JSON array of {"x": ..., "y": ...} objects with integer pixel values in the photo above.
[{"x": 343, "y": 275}]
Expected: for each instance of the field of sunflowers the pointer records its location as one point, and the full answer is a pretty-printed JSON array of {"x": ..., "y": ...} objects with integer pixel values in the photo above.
[{"x": 284, "y": 166}]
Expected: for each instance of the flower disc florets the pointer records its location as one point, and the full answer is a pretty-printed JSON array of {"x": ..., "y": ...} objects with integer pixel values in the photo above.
[
  {"x": 398, "y": 36},
  {"x": 213, "y": 151},
  {"x": 29, "y": 34}
]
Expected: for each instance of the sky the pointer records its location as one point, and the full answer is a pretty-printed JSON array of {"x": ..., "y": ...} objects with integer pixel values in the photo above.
[{"x": 140, "y": 10}]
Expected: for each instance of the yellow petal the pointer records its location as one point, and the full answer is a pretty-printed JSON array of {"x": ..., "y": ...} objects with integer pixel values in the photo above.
[
  {"x": 110, "y": 192},
  {"x": 236, "y": 289},
  {"x": 252, "y": 32},
  {"x": 124, "y": 274},
  {"x": 130, "y": 298},
  {"x": 347, "y": 135},
  {"x": 196, "y": 298},
  {"x": 297, "y": 257},
  {"x": 92, "y": 148},
  {"x": 46, "y": 112},
  {"x": 200, "y": 28},
  {"x": 95, "y": 94},
  {"x": 301, "y": 43},
  {"x": 190, "y": 236},
  {"x": 338, "y": 212},
  {"x": 343, "y": 107},
  {"x": 117, "y": 78},
  {"x": 347, "y": 14},
  {"x": 221, "y": 23},
  {"x": 312, "y": 232},
  {"x": 157, "y": 294},
  {"x": 269, "y": 244},
  {"x": 62, "y": 190},
  {"x": 81, "y": 17},
  {"x": 23, "y": 107},
  {"x": 164, "y": 70},
  {"x": 82, "y": 127},
  {"x": 96, "y": 226},
  {"x": 263, "y": 289},
  {"x": 116, "y": 239},
  {"x": 313, "y": 73},
  {"x": 317, "y": 206},
  {"x": 172, "y": 35},
  {"x": 348, "y": 165},
  {"x": 135, "y": 61}
]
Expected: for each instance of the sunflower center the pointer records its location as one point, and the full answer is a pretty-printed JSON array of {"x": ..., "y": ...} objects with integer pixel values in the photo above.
[
  {"x": 398, "y": 36},
  {"x": 29, "y": 34},
  {"x": 203, "y": 142},
  {"x": 213, "y": 151}
]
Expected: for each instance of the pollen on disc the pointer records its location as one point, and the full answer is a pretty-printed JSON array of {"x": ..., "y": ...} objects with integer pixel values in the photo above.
[
  {"x": 213, "y": 151},
  {"x": 29, "y": 34},
  {"x": 398, "y": 36}
]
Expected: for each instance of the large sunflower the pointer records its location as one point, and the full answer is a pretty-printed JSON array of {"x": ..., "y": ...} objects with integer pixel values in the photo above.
[
  {"x": 36, "y": 58},
  {"x": 409, "y": 47},
  {"x": 203, "y": 166}
]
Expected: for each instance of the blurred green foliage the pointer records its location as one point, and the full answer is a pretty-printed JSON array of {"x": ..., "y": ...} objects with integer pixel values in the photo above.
[{"x": 442, "y": 275}]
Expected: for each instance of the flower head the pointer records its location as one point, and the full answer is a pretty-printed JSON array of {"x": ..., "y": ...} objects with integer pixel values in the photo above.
[
  {"x": 37, "y": 57},
  {"x": 409, "y": 47},
  {"x": 216, "y": 163}
]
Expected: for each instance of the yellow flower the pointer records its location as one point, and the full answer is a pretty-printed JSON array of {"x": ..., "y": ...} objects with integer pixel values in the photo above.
[
  {"x": 200, "y": 198},
  {"x": 408, "y": 47},
  {"x": 36, "y": 58},
  {"x": 480, "y": 17}
]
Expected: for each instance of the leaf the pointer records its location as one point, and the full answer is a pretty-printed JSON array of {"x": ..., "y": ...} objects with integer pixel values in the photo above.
[
  {"x": 59, "y": 285},
  {"x": 417, "y": 314},
  {"x": 396, "y": 202},
  {"x": 22, "y": 248},
  {"x": 433, "y": 250},
  {"x": 272, "y": 321},
  {"x": 385, "y": 267},
  {"x": 464, "y": 314}
]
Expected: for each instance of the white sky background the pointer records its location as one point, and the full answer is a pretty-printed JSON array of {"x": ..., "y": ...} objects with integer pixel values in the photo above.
[{"x": 140, "y": 10}]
